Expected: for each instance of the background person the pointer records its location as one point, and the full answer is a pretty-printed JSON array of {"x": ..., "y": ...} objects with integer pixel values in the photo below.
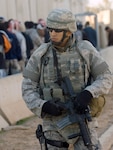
[
  {"x": 91, "y": 34},
  {"x": 110, "y": 35},
  {"x": 32, "y": 32},
  {"x": 80, "y": 33},
  {"x": 3, "y": 72},
  {"x": 43, "y": 33}
]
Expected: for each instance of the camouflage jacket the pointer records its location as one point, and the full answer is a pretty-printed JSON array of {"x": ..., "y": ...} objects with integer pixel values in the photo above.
[{"x": 77, "y": 62}]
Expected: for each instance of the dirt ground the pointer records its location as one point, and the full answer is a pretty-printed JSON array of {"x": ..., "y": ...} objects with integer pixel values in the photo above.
[{"x": 22, "y": 137}]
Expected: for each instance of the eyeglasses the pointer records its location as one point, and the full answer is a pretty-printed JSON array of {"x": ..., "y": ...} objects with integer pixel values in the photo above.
[{"x": 56, "y": 30}]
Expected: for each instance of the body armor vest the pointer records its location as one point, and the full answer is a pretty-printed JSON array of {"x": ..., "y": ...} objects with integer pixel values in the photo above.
[{"x": 70, "y": 64}]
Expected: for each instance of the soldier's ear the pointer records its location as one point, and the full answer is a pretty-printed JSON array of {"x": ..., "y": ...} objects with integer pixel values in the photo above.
[{"x": 68, "y": 33}]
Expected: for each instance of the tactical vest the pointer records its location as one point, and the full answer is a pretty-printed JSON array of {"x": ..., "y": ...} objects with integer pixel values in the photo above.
[{"x": 71, "y": 64}]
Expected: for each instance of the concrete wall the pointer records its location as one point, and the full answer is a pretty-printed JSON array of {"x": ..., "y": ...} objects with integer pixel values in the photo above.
[
  {"x": 35, "y": 9},
  {"x": 104, "y": 18},
  {"x": 12, "y": 106}
]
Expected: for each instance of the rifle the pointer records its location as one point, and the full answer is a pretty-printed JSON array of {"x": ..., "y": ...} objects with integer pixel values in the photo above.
[{"x": 73, "y": 116}]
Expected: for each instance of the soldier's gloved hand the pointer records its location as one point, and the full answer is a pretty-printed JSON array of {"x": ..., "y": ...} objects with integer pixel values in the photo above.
[
  {"x": 52, "y": 108},
  {"x": 82, "y": 101}
]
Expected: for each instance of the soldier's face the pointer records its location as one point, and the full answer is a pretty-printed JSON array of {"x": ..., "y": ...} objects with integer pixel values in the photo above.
[{"x": 56, "y": 36}]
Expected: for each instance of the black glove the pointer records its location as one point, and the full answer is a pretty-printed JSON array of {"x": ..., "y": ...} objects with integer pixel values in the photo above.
[
  {"x": 82, "y": 101},
  {"x": 52, "y": 108}
]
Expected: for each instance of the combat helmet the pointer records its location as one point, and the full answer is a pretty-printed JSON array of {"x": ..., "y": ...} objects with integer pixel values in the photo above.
[{"x": 61, "y": 19}]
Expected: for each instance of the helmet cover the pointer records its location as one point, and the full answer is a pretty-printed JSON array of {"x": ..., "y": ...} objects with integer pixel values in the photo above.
[{"x": 61, "y": 19}]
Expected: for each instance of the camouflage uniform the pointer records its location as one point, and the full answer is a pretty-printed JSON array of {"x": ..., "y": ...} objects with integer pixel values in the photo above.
[{"x": 72, "y": 64}]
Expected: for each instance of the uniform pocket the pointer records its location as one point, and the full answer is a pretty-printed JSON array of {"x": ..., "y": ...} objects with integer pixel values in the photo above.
[
  {"x": 47, "y": 93},
  {"x": 75, "y": 66}
]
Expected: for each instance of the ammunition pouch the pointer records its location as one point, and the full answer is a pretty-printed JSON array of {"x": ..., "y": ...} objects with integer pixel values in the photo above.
[
  {"x": 49, "y": 93},
  {"x": 96, "y": 105}
]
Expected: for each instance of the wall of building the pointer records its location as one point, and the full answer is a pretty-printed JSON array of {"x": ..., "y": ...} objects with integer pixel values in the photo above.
[
  {"x": 32, "y": 10},
  {"x": 105, "y": 19},
  {"x": 35, "y": 9}
]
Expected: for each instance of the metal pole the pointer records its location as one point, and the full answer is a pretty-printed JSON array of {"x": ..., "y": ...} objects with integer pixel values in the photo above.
[{"x": 97, "y": 32}]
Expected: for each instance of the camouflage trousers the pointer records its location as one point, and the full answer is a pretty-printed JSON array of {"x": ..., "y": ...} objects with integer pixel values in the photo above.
[{"x": 79, "y": 144}]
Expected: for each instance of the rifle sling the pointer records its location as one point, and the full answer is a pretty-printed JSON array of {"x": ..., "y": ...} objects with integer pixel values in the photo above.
[
  {"x": 59, "y": 76},
  {"x": 57, "y": 143}
]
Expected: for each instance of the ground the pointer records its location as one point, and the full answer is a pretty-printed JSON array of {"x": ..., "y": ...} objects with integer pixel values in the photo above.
[{"x": 22, "y": 137}]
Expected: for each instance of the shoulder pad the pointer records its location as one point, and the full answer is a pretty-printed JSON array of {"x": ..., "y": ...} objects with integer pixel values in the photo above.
[
  {"x": 42, "y": 49},
  {"x": 86, "y": 45}
]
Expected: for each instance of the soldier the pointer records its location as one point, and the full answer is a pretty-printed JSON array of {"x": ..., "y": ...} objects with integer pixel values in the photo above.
[{"x": 63, "y": 56}]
